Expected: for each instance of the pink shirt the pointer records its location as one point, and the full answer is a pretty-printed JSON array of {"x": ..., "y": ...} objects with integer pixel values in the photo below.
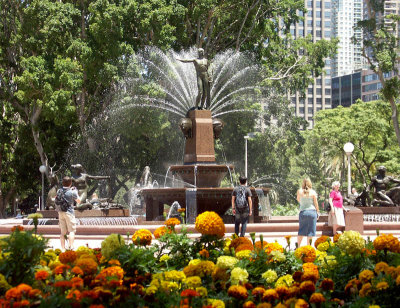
[{"x": 337, "y": 199}]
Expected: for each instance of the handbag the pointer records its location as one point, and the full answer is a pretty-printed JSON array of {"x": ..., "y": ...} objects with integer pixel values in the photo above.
[{"x": 328, "y": 207}]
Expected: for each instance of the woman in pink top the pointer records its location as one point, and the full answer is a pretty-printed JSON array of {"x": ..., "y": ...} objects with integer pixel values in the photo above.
[{"x": 336, "y": 216}]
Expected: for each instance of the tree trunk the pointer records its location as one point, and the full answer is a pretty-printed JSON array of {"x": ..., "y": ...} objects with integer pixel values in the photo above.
[{"x": 395, "y": 119}]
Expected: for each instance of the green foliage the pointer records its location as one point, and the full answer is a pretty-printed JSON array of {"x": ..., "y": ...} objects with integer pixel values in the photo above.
[
  {"x": 289, "y": 209},
  {"x": 25, "y": 247}
]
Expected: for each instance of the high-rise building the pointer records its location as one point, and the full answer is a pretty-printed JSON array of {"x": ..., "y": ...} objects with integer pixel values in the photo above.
[
  {"x": 345, "y": 15},
  {"x": 317, "y": 23}
]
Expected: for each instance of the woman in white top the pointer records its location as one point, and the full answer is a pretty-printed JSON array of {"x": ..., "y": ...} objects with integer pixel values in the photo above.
[{"x": 309, "y": 212}]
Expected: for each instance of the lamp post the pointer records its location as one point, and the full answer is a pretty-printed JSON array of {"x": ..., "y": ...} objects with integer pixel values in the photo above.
[
  {"x": 348, "y": 149},
  {"x": 245, "y": 154},
  {"x": 42, "y": 170}
]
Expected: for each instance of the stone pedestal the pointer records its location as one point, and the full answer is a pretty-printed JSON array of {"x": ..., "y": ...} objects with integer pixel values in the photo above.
[
  {"x": 354, "y": 219},
  {"x": 200, "y": 148}
]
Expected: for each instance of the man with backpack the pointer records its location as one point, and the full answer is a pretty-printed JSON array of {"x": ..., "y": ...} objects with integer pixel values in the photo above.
[
  {"x": 242, "y": 206},
  {"x": 64, "y": 202}
]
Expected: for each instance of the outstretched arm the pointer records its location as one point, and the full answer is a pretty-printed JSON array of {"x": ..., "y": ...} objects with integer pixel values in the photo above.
[
  {"x": 98, "y": 177},
  {"x": 186, "y": 60}
]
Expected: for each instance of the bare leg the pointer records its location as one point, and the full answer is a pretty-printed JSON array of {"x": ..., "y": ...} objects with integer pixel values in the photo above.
[
  {"x": 62, "y": 240},
  {"x": 71, "y": 239},
  {"x": 299, "y": 240},
  {"x": 335, "y": 227}
]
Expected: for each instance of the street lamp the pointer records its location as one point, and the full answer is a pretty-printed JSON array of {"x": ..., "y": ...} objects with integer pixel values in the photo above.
[
  {"x": 348, "y": 149},
  {"x": 42, "y": 170},
  {"x": 247, "y": 137}
]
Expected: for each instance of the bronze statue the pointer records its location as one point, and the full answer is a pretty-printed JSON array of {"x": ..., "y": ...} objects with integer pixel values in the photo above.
[
  {"x": 53, "y": 180},
  {"x": 145, "y": 179},
  {"x": 381, "y": 183},
  {"x": 203, "y": 79},
  {"x": 218, "y": 125},
  {"x": 79, "y": 180},
  {"x": 185, "y": 124}
]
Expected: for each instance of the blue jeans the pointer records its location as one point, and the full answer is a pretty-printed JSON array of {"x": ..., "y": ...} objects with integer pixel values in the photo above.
[{"x": 241, "y": 218}]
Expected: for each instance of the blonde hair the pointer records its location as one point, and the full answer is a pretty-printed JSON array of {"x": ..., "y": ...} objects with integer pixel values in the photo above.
[
  {"x": 306, "y": 186},
  {"x": 336, "y": 183}
]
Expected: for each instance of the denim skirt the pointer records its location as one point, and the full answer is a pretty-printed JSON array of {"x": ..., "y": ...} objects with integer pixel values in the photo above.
[{"x": 308, "y": 223}]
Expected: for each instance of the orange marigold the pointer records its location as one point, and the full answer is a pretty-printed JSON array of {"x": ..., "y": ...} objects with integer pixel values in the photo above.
[
  {"x": 87, "y": 265},
  {"x": 142, "y": 237},
  {"x": 63, "y": 284},
  {"x": 283, "y": 292},
  {"x": 336, "y": 237},
  {"x": 17, "y": 228},
  {"x": 67, "y": 257},
  {"x": 172, "y": 222},
  {"x": 307, "y": 287},
  {"x": 96, "y": 306},
  {"x": 61, "y": 269},
  {"x": 249, "y": 304},
  {"x": 310, "y": 272},
  {"x": 258, "y": 292},
  {"x": 320, "y": 240},
  {"x": 301, "y": 303},
  {"x": 240, "y": 241},
  {"x": 317, "y": 298},
  {"x": 74, "y": 294},
  {"x": 244, "y": 247},
  {"x": 13, "y": 293},
  {"x": 388, "y": 242},
  {"x": 204, "y": 253},
  {"x": 189, "y": 293},
  {"x": 381, "y": 267},
  {"x": 366, "y": 276},
  {"x": 24, "y": 288},
  {"x": 275, "y": 246},
  {"x": 77, "y": 282},
  {"x": 113, "y": 271},
  {"x": 160, "y": 231},
  {"x": 270, "y": 295},
  {"x": 41, "y": 275},
  {"x": 238, "y": 292},
  {"x": 365, "y": 290},
  {"x": 305, "y": 253},
  {"x": 77, "y": 270},
  {"x": 210, "y": 223},
  {"x": 260, "y": 245}
]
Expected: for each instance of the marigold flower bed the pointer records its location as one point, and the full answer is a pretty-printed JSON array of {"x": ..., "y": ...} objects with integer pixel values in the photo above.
[{"x": 211, "y": 271}]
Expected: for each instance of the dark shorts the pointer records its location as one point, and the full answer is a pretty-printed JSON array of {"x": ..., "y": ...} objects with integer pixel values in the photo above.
[{"x": 308, "y": 223}]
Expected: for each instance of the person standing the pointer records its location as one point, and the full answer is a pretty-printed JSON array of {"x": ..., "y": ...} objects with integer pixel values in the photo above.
[
  {"x": 309, "y": 212},
  {"x": 66, "y": 214},
  {"x": 242, "y": 206},
  {"x": 336, "y": 216}
]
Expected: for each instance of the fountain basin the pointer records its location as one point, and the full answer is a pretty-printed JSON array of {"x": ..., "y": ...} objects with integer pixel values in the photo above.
[
  {"x": 201, "y": 175},
  {"x": 218, "y": 200}
]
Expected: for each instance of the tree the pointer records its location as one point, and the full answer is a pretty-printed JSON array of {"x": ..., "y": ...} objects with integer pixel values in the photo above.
[{"x": 380, "y": 46}]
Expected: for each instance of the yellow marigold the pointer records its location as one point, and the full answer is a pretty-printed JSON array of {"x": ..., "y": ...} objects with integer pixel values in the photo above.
[
  {"x": 215, "y": 303},
  {"x": 87, "y": 265},
  {"x": 317, "y": 298},
  {"x": 67, "y": 257},
  {"x": 174, "y": 275},
  {"x": 160, "y": 231},
  {"x": 142, "y": 237},
  {"x": 152, "y": 289},
  {"x": 205, "y": 268},
  {"x": 386, "y": 241},
  {"x": 374, "y": 306},
  {"x": 172, "y": 222},
  {"x": 305, "y": 253},
  {"x": 270, "y": 276},
  {"x": 264, "y": 305},
  {"x": 321, "y": 239},
  {"x": 323, "y": 246},
  {"x": 278, "y": 256},
  {"x": 351, "y": 242},
  {"x": 275, "y": 246},
  {"x": 238, "y": 292},
  {"x": 366, "y": 276},
  {"x": 210, "y": 223},
  {"x": 202, "y": 291},
  {"x": 285, "y": 280},
  {"x": 365, "y": 290},
  {"x": 382, "y": 285},
  {"x": 227, "y": 262},
  {"x": 280, "y": 305},
  {"x": 243, "y": 254},
  {"x": 239, "y": 275},
  {"x": 270, "y": 295},
  {"x": 164, "y": 258},
  {"x": 192, "y": 282},
  {"x": 381, "y": 267}
]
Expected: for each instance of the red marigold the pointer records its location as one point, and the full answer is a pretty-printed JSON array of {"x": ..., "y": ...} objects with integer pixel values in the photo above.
[
  {"x": 17, "y": 228},
  {"x": 238, "y": 292},
  {"x": 96, "y": 306},
  {"x": 189, "y": 293},
  {"x": 327, "y": 284},
  {"x": 41, "y": 275},
  {"x": 283, "y": 291},
  {"x": 270, "y": 295},
  {"x": 74, "y": 294},
  {"x": 307, "y": 287},
  {"x": 63, "y": 284},
  {"x": 89, "y": 294},
  {"x": 77, "y": 282},
  {"x": 297, "y": 275},
  {"x": 67, "y": 257}
]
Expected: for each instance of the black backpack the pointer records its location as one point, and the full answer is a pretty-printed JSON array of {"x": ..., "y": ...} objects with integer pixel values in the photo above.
[
  {"x": 241, "y": 200},
  {"x": 61, "y": 202}
]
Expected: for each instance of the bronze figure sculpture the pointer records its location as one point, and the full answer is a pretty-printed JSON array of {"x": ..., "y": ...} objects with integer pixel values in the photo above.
[
  {"x": 380, "y": 183},
  {"x": 203, "y": 79}
]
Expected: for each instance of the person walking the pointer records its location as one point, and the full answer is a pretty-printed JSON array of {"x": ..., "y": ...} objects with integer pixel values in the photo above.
[
  {"x": 242, "y": 206},
  {"x": 64, "y": 201},
  {"x": 336, "y": 216},
  {"x": 309, "y": 212}
]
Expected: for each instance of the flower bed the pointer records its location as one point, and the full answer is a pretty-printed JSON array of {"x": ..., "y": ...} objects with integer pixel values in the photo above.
[{"x": 211, "y": 271}]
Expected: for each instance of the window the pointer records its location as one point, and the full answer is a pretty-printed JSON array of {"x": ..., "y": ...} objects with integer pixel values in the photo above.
[
  {"x": 318, "y": 23},
  {"x": 318, "y": 4},
  {"x": 327, "y": 34},
  {"x": 327, "y": 14},
  {"x": 301, "y": 110},
  {"x": 310, "y": 110},
  {"x": 319, "y": 33},
  {"x": 309, "y": 23},
  {"x": 327, "y": 5},
  {"x": 310, "y": 91},
  {"x": 327, "y": 91},
  {"x": 309, "y": 13},
  {"x": 319, "y": 91},
  {"x": 318, "y": 14},
  {"x": 327, "y": 24},
  {"x": 319, "y": 81},
  {"x": 310, "y": 101},
  {"x": 309, "y": 3}
]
